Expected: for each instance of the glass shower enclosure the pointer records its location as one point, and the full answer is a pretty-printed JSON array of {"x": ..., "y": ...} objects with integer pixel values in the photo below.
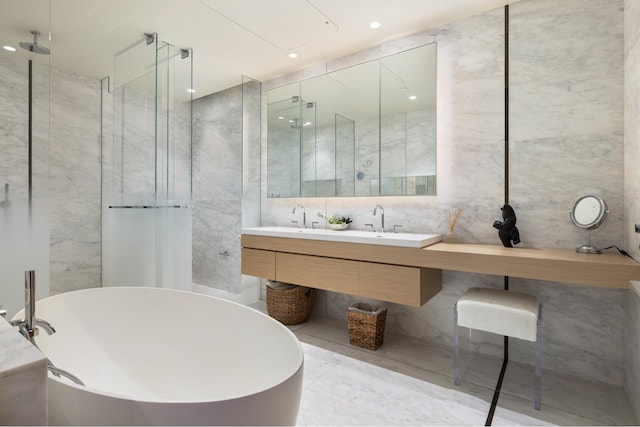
[
  {"x": 147, "y": 167},
  {"x": 25, "y": 94}
]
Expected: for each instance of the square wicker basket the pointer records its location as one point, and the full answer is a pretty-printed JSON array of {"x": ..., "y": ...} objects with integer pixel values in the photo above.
[
  {"x": 290, "y": 306},
  {"x": 366, "y": 325}
]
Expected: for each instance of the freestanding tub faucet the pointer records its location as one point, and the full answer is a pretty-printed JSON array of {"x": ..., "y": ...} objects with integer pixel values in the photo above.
[
  {"x": 27, "y": 326},
  {"x": 304, "y": 215},
  {"x": 381, "y": 216}
]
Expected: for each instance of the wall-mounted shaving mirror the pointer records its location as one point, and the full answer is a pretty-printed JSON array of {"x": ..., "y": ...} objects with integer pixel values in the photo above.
[
  {"x": 589, "y": 213},
  {"x": 366, "y": 130}
]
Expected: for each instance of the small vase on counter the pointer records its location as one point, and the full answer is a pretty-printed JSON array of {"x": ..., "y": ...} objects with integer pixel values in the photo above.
[{"x": 450, "y": 237}]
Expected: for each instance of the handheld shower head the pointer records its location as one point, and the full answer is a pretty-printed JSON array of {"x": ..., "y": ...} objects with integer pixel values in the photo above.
[{"x": 35, "y": 47}]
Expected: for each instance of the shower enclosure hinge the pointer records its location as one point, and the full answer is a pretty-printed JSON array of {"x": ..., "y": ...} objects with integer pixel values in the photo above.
[
  {"x": 184, "y": 53},
  {"x": 151, "y": 37},
  {"x": 108, "y": 81}
]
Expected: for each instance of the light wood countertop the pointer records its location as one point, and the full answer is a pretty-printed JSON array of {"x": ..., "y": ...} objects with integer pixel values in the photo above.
[
  {"x": 558, "y": 265},
  {"x": 561, "y": 265}
]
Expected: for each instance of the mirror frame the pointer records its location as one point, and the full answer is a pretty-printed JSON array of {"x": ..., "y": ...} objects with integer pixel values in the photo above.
[{"x": 600, "y": 219}]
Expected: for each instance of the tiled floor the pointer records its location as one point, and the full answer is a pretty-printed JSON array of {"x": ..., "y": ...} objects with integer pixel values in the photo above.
[{"x": 407, "y": 382}]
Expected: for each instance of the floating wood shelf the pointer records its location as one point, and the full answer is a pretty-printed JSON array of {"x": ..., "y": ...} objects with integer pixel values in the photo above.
[{"x": 559, "y": 265}]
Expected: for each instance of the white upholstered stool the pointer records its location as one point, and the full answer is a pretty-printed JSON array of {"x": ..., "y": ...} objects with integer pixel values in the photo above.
[{"x": 507, "y": 313}]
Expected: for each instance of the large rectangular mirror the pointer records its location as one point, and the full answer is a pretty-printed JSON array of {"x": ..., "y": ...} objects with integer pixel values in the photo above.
[{"x": 366, "y": 130}]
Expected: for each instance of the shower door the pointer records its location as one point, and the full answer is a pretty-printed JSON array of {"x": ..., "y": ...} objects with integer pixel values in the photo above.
[{"x": 146, "y": 167}]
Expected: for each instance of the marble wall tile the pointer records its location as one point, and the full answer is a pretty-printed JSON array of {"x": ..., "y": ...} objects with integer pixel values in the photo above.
[
  {"x": 217, "y": 190},
  {"x": 75, "y": 216},
  {"x": 567, "y": 139},
  {"x": 566, "y": 115},
  {"x": 632, "y": 195},
  {"x": 632, "y": 347}
]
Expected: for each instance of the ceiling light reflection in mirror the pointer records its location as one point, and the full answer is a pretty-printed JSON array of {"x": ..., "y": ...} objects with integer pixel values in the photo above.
[{"x": 366, "y": 130}]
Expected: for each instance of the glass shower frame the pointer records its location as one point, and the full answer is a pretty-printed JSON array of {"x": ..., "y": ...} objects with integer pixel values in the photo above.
[{"x": 147, "y": 167}]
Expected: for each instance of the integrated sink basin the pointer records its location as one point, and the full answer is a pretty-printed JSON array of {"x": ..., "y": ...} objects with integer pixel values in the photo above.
[{"x": 408, "y": 240}]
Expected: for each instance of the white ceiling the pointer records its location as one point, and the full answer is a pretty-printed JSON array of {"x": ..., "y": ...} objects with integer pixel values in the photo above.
[{"x": 229, "y": 38}]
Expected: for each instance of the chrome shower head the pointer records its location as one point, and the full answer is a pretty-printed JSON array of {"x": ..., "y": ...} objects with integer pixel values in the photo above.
[{"x": 35, "y": 47}]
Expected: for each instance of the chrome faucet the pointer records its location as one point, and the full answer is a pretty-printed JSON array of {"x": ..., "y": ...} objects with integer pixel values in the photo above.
[
  {"x": 304, "y": 215},
  {"x": 27, "y": 326},
  {"x": 381, "y": 216}
]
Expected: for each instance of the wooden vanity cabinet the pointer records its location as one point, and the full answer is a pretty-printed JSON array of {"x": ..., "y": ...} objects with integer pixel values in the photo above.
[
  {"x": 400, "y": 284},
  {"x": 259, "y": 263},
  {"x": 330, "y": 274}
]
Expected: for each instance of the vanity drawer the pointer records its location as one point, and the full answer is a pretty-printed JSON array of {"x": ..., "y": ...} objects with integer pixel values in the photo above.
[
  {"x": 258, "y": 263},
  {"x": 330, "y": 274},
  {"x": 400, "y": 284}
]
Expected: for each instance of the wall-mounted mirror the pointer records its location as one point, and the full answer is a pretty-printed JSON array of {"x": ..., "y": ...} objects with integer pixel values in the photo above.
[{"x": 366, "y": 130}]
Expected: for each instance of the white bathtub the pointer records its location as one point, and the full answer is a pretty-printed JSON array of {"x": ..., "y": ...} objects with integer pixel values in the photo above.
[{"x": 153, "y": 356}]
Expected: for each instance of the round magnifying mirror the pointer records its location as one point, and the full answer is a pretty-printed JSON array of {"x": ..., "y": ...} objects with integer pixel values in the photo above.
[{"x": 589, "y": 213}]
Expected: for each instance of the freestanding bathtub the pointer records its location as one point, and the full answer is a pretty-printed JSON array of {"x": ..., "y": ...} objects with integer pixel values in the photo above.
[{"x": 153, "y": 356}]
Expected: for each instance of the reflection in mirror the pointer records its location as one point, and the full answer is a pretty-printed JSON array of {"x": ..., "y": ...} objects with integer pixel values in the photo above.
[
  {"x": 345, "y": 155},
  {"x": 589, "y": 213},
  {"x": 346, "y": 120},
  {"x": 284, "y": 166},
  {"x": 408, "y": 122},
  {"x": 337, "y": 134}
]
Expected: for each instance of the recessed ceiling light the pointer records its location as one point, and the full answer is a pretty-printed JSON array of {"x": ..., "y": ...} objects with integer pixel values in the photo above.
[
  {"x": 291, "y": 121},
  {"x": 190, "y": 90},
  {"x": 412, "y": 97},
  {"x": 9, "y": 48},
  {"x": 280, "y": 117},
  {"x": 293, "y": 55},
  {"x": 307, "y": 124},
  {"x": 374, "y": 25}
]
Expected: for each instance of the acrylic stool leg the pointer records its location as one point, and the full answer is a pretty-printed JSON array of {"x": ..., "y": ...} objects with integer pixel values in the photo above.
[
  {"x": 538, "y": 371},
  {"x": 456, "y": 355}
]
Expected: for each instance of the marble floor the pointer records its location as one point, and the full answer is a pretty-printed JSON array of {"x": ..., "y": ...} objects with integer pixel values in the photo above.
[{"x": 409, "y": 382}]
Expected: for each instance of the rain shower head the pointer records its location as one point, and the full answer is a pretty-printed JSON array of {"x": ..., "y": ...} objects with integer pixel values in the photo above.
[{"x": 34, "y": 47}]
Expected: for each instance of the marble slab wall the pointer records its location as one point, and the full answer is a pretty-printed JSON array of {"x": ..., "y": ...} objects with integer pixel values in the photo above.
[
  {"x": 566, "y": 112},
  {"x": 74, "y": 182},
  {"x": 632, "y": 195},
  {"x": 566, "y": 107},
  {"x": 67, "y": 167},
  {"x": 217, "y": 190}
]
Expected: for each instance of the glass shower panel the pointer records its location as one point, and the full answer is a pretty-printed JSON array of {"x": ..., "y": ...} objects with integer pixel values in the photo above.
[
  {"x": 24, "y": 159},
  {"x": 147, "y": 168},
  {"x": 345, "y": 130},
  {"x": 309, "y": 160},
  {"x": 285, "y": 147},
  {"x": 251, "y": 188},
  {"x": 173, "y": 167}
]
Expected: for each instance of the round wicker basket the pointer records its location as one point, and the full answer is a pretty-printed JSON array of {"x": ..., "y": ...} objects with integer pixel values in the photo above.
[{"x": 290, "y": 306}]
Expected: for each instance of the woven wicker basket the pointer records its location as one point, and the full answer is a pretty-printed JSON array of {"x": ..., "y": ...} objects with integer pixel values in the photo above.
[
  {"x": 366, "y": 326},
  {"x": 290, "y": 306}
]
